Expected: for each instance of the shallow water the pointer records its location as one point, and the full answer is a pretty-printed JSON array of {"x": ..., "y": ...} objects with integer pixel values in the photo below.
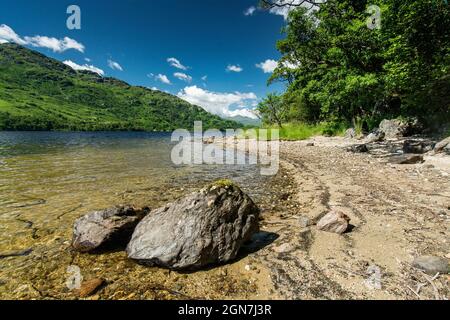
[{"x": 47, "y": 180}]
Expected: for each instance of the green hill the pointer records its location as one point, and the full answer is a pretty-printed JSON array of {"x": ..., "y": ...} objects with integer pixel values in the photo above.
[{"x": 40, "y": 93}]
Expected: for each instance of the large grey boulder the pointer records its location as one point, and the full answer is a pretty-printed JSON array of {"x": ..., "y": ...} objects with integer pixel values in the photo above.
[
  {"x": 400, "y": 128},
  {"x": 110, "y": 228},
  {"x": 393, "y": 128},
  {"x": 204, "y": 228}
]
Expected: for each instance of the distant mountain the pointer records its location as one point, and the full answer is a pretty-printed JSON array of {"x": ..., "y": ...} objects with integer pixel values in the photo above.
[
  {"x": 40, "y": 93},
  {"x": 246, "y": 121}
]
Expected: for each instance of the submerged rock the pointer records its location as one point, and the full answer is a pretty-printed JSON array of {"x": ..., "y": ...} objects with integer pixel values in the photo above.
[
  {"x": 108, "y": 228},
  {"x": 432, "y": 265},
  {"x": 335, "y": 222},
  {"x": 206, "y": 227}
]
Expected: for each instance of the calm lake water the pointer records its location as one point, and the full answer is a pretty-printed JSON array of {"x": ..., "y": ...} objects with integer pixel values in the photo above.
[
  {"x": 49, "y": 179},
  {"x": 45, "y": 174}
]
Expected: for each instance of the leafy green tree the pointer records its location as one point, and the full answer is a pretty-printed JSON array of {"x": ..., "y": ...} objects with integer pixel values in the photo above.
[
  {"x": 273, "y": 110},
  {"x": 338, "y": 70}
]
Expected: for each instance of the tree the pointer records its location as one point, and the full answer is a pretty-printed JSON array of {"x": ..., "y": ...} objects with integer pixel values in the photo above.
[
  {"x": 337, "y": 69},
  {"x": 273, "y": 110}
]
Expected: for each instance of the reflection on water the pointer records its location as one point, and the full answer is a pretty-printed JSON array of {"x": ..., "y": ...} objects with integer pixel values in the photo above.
[
  {"x": 47, "y": 180},
  {"x": 45, "y": 174}
]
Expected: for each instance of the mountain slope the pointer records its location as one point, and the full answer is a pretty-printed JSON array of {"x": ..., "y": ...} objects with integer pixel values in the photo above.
[
  {"x": 40, "y": 93},
  {"x": 246, "y": 121}
]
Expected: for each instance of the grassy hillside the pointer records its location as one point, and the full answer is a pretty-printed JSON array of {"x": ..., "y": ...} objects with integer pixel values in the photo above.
[{"x": 39, "y": 93}]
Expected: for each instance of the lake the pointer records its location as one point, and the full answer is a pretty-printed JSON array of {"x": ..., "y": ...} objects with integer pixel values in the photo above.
[{"x": 48, "y": 179}]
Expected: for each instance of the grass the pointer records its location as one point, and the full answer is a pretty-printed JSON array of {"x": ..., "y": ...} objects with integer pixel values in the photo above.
[{"x": 303, "y": 131}]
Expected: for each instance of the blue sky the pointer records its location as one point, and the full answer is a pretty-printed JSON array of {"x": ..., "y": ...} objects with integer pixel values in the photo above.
[{"x": 133, "y": 40}]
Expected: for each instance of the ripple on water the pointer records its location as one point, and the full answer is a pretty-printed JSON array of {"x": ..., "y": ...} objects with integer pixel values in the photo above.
[{"x": 47, "y": 180}]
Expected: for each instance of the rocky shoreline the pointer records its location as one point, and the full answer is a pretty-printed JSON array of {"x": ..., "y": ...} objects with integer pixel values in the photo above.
[{"x": 334, "y": 233}]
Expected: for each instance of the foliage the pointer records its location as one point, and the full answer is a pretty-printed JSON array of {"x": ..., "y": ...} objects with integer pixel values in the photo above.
[
  {"x": 338, "y": 70},
  {"x": 300, "y": 131},
  {"x": 39, "y": 93},
  {"x": 273, "y": 110}
]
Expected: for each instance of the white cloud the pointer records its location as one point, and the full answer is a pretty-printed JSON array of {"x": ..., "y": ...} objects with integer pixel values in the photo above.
[
  {"x": 182, "y": 76},
  {"x": 87, "y": 59},
  {"x": 8, "y": 35},
  {"x": 268, "y": 66},
  {"x": 219, "y": 103},
  {"x": 57, "y": 45},
  {"x": 291, "y": 65},
  {"x": 91, "y": 68},
  {"x": 233, "y": 68},
  {"x": 174, "y": 62},
  {"x": 291, "y": 5},
  {"x": 250, "y": 11},
  {"x": 114, "y": 65},
  {"x": 163, "y": 78},
  {"x": 204, "y": 78}
]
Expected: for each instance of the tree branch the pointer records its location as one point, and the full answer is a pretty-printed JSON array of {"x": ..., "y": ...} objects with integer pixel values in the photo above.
[{"x": 269, "y": 4}]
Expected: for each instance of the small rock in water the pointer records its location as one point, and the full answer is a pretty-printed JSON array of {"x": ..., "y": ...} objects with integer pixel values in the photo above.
[
  {"x": 191, "y": 233},
  {"x": 406, "y": 159},
  {"x": 90, "y": 287},
  {"x": 110, "y": 227},
  {"x": 432, "y": 265},
  {"x": 335, "y": 222}
]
